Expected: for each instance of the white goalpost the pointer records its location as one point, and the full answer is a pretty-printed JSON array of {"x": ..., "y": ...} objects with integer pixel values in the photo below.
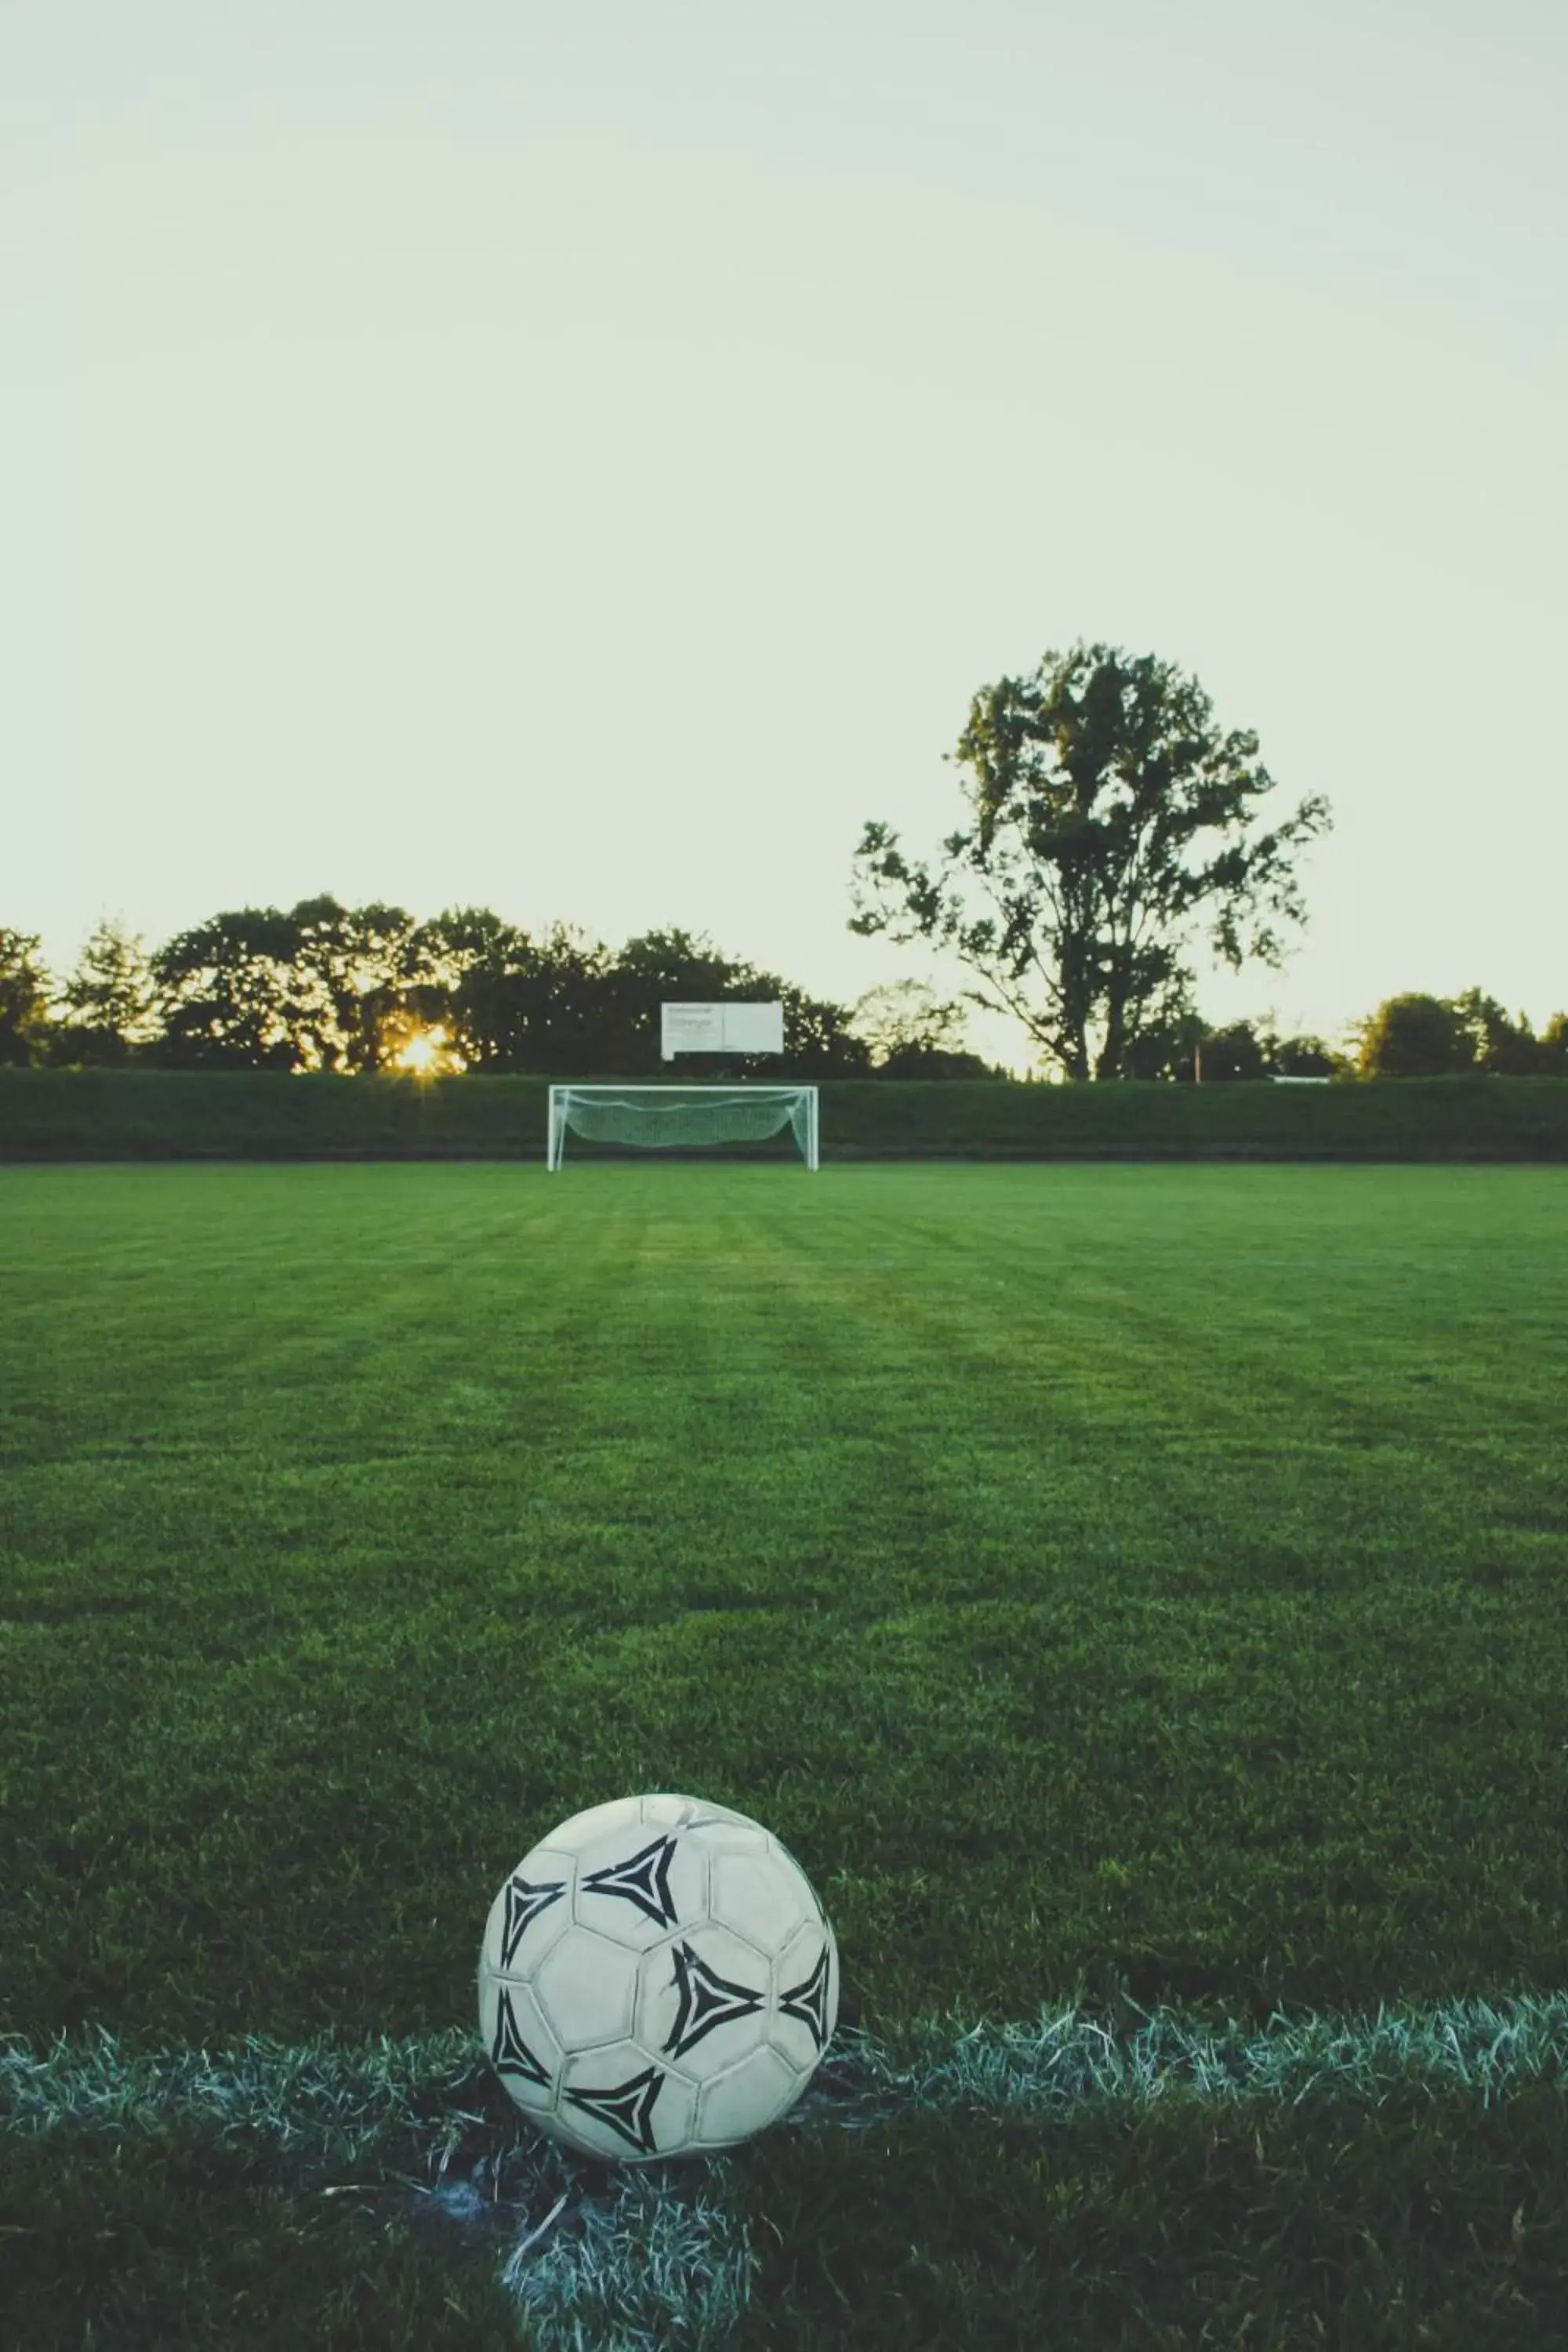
[{"x": 659, "y": 1117}]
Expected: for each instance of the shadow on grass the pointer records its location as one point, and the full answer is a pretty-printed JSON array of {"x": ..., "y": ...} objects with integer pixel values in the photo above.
[
  {"x": 1428, "y": 2226},
  {"x": 154, "y": 2249}
]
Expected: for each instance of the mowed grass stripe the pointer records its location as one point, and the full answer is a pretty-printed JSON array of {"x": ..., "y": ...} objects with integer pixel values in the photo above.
[
  {"x": 1087, "y": 1570},
  {"x": 1133, "y": 1588}
]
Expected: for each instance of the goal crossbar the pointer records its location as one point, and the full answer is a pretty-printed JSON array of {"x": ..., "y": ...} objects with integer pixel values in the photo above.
[{"x": 664, "y": 1117}]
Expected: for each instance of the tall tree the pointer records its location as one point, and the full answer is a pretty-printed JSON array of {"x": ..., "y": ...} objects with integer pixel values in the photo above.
[
  {"x": 225, "y": 992},
  {"x": 512, "y": 1003},
  {"x": 819, "y": 1041},
  {"x": 1110, "y": 822},
  {"x": 351, "y": 970},
  {"x": 1552, "y": 1047},
  {"x": 110, "y": 999},
  {"x": 914, "y": 1034},
  {"x": 1167, "y": 1047},
  {"x": 1413, "y": 1036},
  {"x": 672, "y": 967},
  {"x": 908, "y": 1014},
  {"x": 1498, "y": 1046},
  {"x": 1302, "y": 1056},
  {"x": 1235, "y": 1051},
  {"x": 25, "y": 992},
  {"x": 477, "y": 975},
  {"x": 571, "y": 1003}
]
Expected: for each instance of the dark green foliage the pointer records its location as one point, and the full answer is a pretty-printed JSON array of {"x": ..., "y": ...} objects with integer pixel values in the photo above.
[
  {"x": 483, "y": 971},
  {"x": 350, "y": 972},
  {"x": 321, "y": 987},
  {"x": 223, "y": 992},
  {"x": 1166, "y": 1046},
  {"x": 819, "y": 1042},
  {"x": 1304, "y": 1058},
  {"x": 326, "y": 987},
  {"x": 1413, "y": 1036},
  {"x": 564, "y": 1006},
  {"x": 1109, "y": 823},
  {"x": 1422, "y": 1037},
  {"x": 1249, "y": 1049},
  {"x": 131, "y": 1115},
  {"x": 335, "y": 989},
  {"x": 24, "y": 998},
  {"x": 1498, "y": 1046},
  {"x": 1237, "y": 1052},
  {"x": 111, "y": 1003},
  {"x": 670, "y": 965},
  {"x": 924, "y": 1061},
  {"x": 910, "y": 1034}
]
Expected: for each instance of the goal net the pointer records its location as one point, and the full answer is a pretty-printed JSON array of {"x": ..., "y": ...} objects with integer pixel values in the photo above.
[{"x": 658, "y": 1118}]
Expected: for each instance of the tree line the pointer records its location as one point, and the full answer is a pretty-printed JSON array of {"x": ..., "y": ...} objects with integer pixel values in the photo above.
[
  {"x": 1111, "y": 827},
  {"x": 325, "y": 986},
  {"x": 352, "y": 989},
  {"x": 1409, "y": 1036}
]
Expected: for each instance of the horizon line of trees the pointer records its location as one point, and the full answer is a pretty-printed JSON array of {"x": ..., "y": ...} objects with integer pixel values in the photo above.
[
  {"x": 358, "y": 990},
  {"x": 324, "y": 986},
  {"x": 1110, "y": 825}
]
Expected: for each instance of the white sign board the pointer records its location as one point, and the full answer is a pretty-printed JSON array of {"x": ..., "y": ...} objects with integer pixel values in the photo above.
[
  {"x": 754, "y": 1028},
  {"x": 721, "y": 1029}
]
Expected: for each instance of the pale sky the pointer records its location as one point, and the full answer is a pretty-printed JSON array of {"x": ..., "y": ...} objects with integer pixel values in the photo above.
[{"x": 582, "y": 460}]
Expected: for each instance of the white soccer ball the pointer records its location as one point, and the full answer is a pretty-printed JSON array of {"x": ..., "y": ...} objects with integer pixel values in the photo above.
[{"x": 657, "y": 1978}]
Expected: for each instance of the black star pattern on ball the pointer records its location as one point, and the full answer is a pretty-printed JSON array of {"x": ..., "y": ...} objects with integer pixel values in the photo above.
[
  {"x": 644, "y": 1880},
  {"x": 524, "y": 1902},
  {"x": 704, "y": 2000},
  {"x": 626, "y": 2107},
  {"x": 808, "y": 2001},
  {"x": 510, "y": 2054}
]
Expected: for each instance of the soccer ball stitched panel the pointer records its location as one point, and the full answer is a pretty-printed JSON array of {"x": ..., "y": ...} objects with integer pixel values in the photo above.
[{"x": 657, "y": 1978}]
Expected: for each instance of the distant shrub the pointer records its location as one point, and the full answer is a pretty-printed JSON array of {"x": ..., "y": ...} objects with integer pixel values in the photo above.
[
  {"x": 1237, "y": 1052},
  {"x": 131, "y": 1114},
  {"x": 934, "y": 1062},
  {"x": 1414, "y": 1037},
  {"x": 25, "y": 987},
  {"x": 1304, "y": 1058}
]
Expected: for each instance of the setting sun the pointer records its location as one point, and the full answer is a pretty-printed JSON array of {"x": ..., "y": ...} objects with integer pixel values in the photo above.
[{"x": 428, "y": 1054}]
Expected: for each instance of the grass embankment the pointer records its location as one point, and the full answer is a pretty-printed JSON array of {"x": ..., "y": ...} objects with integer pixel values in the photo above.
[
  {"x": 1140, "y": 1588},
  {"x": 257, "y": 1115}
]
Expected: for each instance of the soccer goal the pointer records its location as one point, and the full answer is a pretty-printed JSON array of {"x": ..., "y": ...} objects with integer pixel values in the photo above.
[{"x": 658, "y": 1119}]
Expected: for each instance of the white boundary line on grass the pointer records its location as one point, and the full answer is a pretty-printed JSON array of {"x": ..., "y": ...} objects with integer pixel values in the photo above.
[{"x": 646, "y": 2258}]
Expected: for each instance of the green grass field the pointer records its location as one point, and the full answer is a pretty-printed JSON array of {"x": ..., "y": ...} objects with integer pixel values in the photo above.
[{"x": 1136, "y": 1595}]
